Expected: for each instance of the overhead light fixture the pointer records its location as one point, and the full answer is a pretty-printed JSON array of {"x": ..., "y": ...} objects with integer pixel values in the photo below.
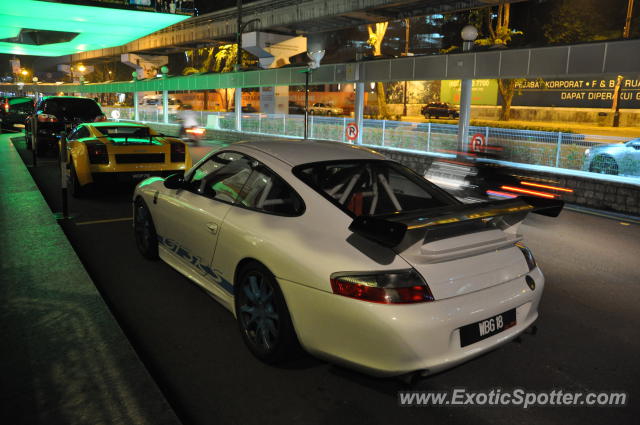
[{"x": 40, "y": 28}]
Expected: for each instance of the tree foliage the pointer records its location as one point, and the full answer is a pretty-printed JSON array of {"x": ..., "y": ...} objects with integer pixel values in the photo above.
[
  {"x": 376, "y": 35},
  {"x": 575, "y": 21},
  {"x": 497, "y": 25},
  {"x": 498, "y": 34},
  {"x": 219, "y": 58}
]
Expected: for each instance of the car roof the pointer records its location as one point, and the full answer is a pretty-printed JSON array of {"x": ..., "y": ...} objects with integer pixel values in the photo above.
[
  {"x": 115, "y": 124},
  {"x": 66, "y": 97},
  {"x": 297, "y": 151}
]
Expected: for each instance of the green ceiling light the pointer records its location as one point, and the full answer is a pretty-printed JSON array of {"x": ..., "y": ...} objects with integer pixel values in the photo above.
[{"x": 40, "y": 28}]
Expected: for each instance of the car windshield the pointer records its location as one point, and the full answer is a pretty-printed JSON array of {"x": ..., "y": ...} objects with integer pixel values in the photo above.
[
  {"x": 72, "y": 107},
  {"x": 374, "y": 187},
  {"x": 24, "y": 104}
]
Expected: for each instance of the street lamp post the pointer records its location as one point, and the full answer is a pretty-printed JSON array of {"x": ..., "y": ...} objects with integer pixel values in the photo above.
[
  {"x": 136, "y": 111},
  {"x": 239, "y": 39},
  {"x": 306, "y": 102},
  {"x": 469, "y": 33},
  {"x": 165, "y": 96},
  {"x": 315, "y": 56},
  {"x": 617, "y": 91}
]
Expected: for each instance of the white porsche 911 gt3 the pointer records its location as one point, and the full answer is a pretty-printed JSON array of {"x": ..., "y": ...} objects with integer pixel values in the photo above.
[{"x": 356, "y": 258}]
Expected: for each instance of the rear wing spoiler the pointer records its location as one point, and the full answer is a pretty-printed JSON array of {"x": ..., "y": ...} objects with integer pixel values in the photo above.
[{"x": 390, "y": 230}]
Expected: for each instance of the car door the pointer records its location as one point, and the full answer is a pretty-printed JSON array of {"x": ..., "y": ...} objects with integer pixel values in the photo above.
[
  {"x": 261, "y": 222},
  {"x": 189, "y": 220}
]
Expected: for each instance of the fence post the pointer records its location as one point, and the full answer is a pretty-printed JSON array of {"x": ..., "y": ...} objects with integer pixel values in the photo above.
[
  {"x": 486, "y": 136},
  {"x": 429, "y": 137},
  {"x": 284, "y": 124},
  {"x": 384, "y": 126},
  {"x": 62, "y": 163},
  {"x": 311, "y": 116},
  {"x": 558, "y": 148},
  {"x": 344, "y": 129},
  {"x": 260, "y": 122}
]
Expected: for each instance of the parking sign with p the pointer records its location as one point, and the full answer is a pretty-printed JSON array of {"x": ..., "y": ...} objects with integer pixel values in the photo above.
[{"x": 351, "y": 131}]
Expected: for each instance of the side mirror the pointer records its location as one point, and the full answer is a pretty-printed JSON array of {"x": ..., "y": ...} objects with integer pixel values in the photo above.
[{"x": 174, "y": 181}]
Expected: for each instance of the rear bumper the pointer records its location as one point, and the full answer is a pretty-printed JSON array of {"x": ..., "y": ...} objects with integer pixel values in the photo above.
[
  {"x": 388, "y": 340},
  {"x": 129, "y": 176}
]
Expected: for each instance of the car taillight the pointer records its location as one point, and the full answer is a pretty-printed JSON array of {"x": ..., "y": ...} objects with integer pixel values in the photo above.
[
  {"x": 47, "y": 118},
  {"x": 177, "y": 152},
  {"x": 98, "y": 153},
  {"x": 100, "y": 118},
  {"x": 398, "y": 287},
  {"x": 528, "y": 256},
  {"x": 6, "y": 106},
  {"x": 197, "y": 131}
]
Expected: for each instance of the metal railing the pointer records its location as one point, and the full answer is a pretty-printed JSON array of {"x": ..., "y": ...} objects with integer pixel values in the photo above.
[{"x": 554, "y": 149}]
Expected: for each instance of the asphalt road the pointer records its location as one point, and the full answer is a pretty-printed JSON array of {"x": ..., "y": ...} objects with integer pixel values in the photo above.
[{"x": 587, "y": 338}]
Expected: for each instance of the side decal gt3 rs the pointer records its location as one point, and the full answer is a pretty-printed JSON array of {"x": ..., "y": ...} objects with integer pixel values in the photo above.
[{"x": 184, "y": 254}]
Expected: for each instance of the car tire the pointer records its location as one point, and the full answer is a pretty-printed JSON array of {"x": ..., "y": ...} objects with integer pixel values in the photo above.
[
  {"x": 27, "y": 140},
  {"x": 604, "y": 164},
  {"x": 77, "y": 190},
  {"x": 145, "y": 231},
  {"x": 39, "y": 148},
  {"x": 263, "y": 316}
]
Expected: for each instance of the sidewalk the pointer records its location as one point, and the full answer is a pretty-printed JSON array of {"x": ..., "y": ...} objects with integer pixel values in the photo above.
[{"x": 64, "y": 359}]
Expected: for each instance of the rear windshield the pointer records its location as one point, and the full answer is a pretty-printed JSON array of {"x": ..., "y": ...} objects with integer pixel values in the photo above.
[
  {"x": 375, "y": 187},
  {"x": 72, "y": 107},
  {"x": 122, "y": 131},
  {"x": 24, "y": 104}
]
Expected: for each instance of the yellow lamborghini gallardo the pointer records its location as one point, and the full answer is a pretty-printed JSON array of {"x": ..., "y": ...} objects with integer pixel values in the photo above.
[{"x": 108, "y": 151}]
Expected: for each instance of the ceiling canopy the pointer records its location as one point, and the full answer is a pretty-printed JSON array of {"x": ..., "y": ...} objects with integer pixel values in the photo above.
[{"x": 30, "y": 27}]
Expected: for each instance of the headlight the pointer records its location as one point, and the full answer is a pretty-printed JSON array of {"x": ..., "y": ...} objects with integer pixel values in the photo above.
[{"x": 587, "y": 152}]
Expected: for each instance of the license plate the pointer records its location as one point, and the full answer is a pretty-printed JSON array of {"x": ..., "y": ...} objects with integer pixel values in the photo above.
[
  {"x": 141, "y": 176},
  {"x": 483, "y": 329}
]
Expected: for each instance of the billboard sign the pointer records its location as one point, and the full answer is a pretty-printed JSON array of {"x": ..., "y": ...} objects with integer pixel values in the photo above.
[
  {"x": 579, "y": 93},
  {"x": 483, "y": 92}
]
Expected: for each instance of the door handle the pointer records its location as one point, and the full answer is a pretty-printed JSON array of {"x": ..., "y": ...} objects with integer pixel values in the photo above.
[{"x": 213, "y": 227}]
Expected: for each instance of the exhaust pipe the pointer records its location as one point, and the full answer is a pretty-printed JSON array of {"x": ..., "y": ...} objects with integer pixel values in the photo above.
[
  {"x": 531, "y": 330},
  {"x": 412, "y": 378}
]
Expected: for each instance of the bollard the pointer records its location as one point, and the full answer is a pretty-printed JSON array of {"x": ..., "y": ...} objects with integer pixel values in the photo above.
[
  {"x": 63, "y": 174},
  {"x": 34, "y": 140}
]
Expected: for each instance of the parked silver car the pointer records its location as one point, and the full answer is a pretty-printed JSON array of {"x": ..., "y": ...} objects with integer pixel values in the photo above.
[
  {"x": 325, "y": 109},
  {"x": 617, "y": 158}
]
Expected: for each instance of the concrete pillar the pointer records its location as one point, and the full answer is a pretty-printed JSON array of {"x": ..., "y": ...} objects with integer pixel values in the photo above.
[
  {"x": 465, "y": 108},
  {"x": 273, "y": 50},
  {"x": 238, "y": 106},
  {"x": 358, "y": 110},
  {"x": 165, "y": 106},
  {"x": 136, "y": 113},
  {"x": 145, "y": 65},
  {"x": 465, "y": 115}
]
